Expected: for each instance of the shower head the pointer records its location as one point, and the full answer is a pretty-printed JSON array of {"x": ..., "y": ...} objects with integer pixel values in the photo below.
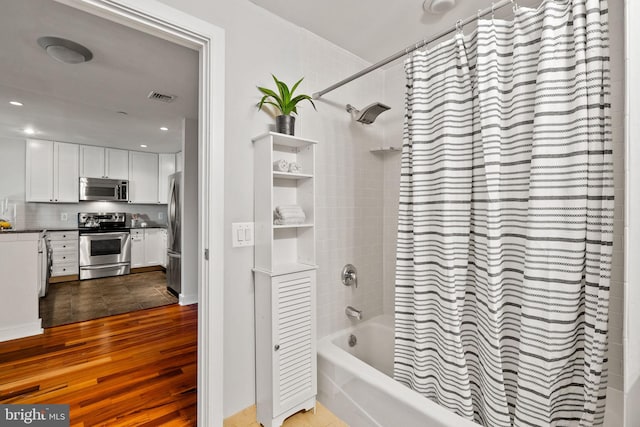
[{"x": 369, "y": 113}]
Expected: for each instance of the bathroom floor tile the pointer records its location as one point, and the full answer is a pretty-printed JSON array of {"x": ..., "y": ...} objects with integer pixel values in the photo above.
[{"x": 322, "y": 418}]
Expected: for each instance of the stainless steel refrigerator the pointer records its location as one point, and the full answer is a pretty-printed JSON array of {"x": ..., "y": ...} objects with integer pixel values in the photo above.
[{"x": 174, "y": 235}]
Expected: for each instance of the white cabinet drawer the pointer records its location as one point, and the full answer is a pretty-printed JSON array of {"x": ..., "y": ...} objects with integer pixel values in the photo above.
[
  {"x": 64, "y": 257},
  {"x": 65, "y": 269},
  {"x": 62, "y": 235},
  {"x": 64, "y": 245}
]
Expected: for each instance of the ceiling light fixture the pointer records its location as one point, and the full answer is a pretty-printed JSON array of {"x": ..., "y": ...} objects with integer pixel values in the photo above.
[
  {"x": 143, "y": 145},
  {"x": 164, "y": 128},
  {"x": 66, "y": 51},
  {"x": 438, "y": 6},
  {"x": 29, "y": 131},
  {"x": 16, "y": 103}
]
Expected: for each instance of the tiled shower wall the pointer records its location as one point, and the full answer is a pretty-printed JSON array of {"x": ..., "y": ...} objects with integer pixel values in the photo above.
[
  {"x": 395, "y": 85},
  {"x": 349, "y": 182}
]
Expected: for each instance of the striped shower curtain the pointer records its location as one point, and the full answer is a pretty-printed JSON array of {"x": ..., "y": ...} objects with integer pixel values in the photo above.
[{"x": 506, "y": 220}]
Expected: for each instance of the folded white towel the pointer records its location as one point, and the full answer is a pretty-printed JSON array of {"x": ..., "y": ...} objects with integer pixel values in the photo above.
[
  {"x": 281, "y": 165},
  {"x": 294, "y": 167},
  {"x": 288, "y": 215}
]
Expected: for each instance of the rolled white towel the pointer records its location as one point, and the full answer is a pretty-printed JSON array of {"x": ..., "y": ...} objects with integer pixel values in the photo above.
[
  {"x": 281, "y": 165},
  {"x": 288, "y": 214},
  {"x": 294, "y": 167}
]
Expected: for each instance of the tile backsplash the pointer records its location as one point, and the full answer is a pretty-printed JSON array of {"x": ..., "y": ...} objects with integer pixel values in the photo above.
[{"x": 49, "y": 215}]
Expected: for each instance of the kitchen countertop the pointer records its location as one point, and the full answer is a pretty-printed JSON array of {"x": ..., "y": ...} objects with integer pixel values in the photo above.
[{"x": 39, "y": 230}]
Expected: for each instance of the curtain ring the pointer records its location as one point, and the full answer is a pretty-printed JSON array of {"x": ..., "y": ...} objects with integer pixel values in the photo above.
[
  {"x": 459, "y": 25},
  {"x": 493, "y": 10},
  {"x": 514, "y": 5}
]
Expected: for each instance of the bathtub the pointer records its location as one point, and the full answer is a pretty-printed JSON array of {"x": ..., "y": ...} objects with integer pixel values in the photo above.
[{"x": 356, "y": 383}]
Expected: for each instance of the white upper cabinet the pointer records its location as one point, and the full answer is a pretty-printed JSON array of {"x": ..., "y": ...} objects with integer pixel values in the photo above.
[
  {"x": 166, "y": 167},
  {"x": 51, "y": 171},
  {"x": 143, "y": 177},
  {"x": 66, "y": 180},
  {"x": 101, "y": 162},
  {"x": 39, "y": 178},
  {"x": 117, "y": 163},
  {"x": 91, "y": 161}
]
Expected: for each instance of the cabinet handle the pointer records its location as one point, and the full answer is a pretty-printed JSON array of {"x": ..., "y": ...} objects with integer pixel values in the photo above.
[{"x": 276, "y": 347}]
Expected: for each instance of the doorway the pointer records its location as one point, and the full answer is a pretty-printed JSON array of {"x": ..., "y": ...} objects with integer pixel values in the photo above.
[{"x": 159, "y": 20}]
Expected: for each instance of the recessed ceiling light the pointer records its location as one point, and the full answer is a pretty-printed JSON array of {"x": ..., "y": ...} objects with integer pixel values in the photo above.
[
  {"x": 164, "y": 128},
  {"x": 143, "y": 145},
  {"x": 29, "y": 131},
  {"x": 16, "y": 103}
]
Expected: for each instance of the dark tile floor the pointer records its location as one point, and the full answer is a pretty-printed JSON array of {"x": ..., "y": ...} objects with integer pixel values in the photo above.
[{"x": 71, "y": 302}]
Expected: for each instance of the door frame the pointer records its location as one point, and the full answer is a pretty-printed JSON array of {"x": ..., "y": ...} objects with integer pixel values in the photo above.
[{"x": 158, "y": 19}]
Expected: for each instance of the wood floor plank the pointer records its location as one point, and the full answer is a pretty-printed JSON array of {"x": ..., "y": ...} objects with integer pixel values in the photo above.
[{"x": 132, "y": 369}]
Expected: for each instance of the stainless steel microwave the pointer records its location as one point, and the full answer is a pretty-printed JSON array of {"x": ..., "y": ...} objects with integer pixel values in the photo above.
[{"x": 114, "y": 190}]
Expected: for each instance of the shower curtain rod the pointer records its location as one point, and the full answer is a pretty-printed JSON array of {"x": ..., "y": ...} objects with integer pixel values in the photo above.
[{"x": 461, "y": 23}]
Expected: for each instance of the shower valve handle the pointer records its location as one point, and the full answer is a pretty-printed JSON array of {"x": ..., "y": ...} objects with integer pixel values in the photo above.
[{"x": 350, "y": 275}]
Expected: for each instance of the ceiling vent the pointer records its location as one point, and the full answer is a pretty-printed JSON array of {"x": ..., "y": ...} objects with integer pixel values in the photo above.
[{"x": 163, "y": 97}]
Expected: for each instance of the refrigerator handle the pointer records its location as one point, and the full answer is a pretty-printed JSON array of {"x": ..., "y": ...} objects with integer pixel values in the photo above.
[{"x": 171, "y": 209}]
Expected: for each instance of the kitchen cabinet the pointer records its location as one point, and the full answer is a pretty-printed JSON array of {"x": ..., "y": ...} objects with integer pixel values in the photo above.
[
  {"x": 163, "y": 245},
  {"x": 147, "y": 247},
  {"x": 64, "y": 247},
  {"x": 19, "y": 315},
  {"x": 102, "y": 162},
  {"x": 137, "y": 248},
  {"x": 166, "y": 167},
  {"x": 154, "y": 252},
  {"x": 143, "y": 177},
  {"x": 52, "y": 171}
]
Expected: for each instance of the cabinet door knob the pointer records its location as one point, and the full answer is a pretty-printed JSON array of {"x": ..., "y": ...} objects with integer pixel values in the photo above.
[{"x": 276, "y": 347}]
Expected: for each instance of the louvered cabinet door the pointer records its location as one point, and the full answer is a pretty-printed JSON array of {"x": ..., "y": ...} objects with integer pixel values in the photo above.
[{"x": 294, "y": 361}]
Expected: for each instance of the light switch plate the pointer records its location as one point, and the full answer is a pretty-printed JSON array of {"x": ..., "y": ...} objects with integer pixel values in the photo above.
[{"x": 242, "y": 234}]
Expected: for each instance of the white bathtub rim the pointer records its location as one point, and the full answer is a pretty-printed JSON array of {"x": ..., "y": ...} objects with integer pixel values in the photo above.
[{"x": 337, "y": 356}]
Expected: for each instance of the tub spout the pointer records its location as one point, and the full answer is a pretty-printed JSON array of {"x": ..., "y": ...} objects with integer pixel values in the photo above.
[{"x": 353, "y": 313}]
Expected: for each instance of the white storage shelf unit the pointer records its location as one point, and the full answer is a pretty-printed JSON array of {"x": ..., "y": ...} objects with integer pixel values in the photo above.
[{"x": 284, "y": 248}]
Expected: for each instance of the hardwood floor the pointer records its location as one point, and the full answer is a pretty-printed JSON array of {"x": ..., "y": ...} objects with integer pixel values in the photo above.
[{"x": 134, "y": 369}]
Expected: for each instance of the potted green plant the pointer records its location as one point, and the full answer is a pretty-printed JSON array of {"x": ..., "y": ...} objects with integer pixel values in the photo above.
[{"x": 285, "y": 102}]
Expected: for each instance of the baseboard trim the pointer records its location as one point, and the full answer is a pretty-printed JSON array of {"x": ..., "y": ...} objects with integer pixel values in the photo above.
[
  {"x": 187, "y": 299},
  {"x": 147, "y": 269},
  {"x": 60, "y": 279},
  {"x": 21, "y": 331}
]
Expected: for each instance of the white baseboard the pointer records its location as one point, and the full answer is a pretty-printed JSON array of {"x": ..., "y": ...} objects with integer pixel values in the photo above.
[
  {"x": 187, "y": 299},
  {"x": 21, "y": 331}
]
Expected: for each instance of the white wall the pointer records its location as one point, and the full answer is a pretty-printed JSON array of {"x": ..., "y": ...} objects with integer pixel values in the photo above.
[
  {"x": 349, "y": 178},
  {"x": 632, "y": 221}
]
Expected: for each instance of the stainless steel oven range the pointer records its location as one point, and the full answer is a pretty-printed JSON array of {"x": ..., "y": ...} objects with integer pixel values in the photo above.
[{"x": 105, "y": 245}]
